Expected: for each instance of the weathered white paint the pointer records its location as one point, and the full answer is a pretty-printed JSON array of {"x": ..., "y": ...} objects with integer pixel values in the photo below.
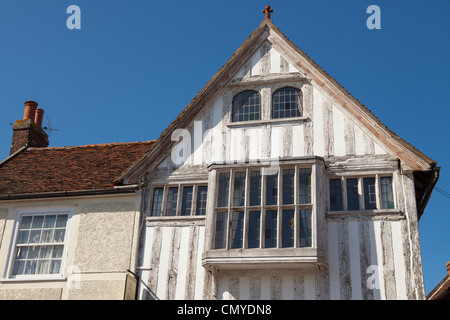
[
  {"x": 379, "y": 257},
  {"x": 183, "y": 263},
  {"x": 338, "y": 130},
  {"x": 333, "y": 261},
  {"x": 164, "y": 263},
  {"x": 399, "y": 264},
  {"x": 318, "y": 128},
  {"x": 355, "y": 266},
  {"x": 200, "y": 271},
  {"x": 353, "y": 243}
]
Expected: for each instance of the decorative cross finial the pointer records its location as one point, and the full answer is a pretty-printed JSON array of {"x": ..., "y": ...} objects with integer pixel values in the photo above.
[{"x": 267, "y": 11}]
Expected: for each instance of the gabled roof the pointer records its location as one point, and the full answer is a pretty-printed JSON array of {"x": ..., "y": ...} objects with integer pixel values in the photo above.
[
  {"x": 410, "y": 156},
  {"x": 67, "y": 169}
]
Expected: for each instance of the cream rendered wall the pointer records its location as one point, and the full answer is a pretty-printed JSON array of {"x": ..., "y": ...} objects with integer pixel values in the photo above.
[{"x": 100, "y": 250}]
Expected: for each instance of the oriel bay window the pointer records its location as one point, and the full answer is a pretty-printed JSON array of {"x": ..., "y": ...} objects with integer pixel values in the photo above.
[
  {"x": 361, "y": 193},
  {"x": 254, "y": 210}
]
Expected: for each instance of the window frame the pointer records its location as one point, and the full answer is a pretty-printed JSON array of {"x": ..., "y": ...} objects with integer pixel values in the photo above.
[
  {"x": 361, "y": 193},
  {"x": 179, "y": 203},
  {"x": 19, "y": 214},
  {"x": 299, "y": 108},
  {"x": 233, "y": 120},
  {"x": 263, "y": 208}
]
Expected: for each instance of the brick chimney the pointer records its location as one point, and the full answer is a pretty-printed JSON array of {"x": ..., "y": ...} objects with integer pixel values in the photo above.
[{"x": 28, "y": 131}]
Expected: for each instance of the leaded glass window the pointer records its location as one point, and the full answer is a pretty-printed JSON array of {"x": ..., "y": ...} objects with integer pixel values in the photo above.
[
  {"x": 287, "y": 103},
  {"x": 246, "y": 106}
]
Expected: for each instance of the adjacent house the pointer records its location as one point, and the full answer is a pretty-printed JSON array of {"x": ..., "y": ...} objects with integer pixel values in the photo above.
[
  {"x": 66, "y": 230},
  {"x": 276, "y": 183},
  {"x": 442, "y": 290}
]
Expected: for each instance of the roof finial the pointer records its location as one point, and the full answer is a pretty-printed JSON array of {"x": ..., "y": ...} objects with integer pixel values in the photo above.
[{"x": 267, "y": 11}]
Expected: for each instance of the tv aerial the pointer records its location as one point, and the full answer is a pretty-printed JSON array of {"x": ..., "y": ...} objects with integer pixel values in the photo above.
[{"x": 48, "y": 129}]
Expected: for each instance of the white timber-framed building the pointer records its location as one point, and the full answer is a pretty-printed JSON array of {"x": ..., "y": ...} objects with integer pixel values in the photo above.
[{"x": 276, "y": 183}]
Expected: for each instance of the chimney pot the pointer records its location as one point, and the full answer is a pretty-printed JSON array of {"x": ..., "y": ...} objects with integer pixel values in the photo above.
[
  {"x": 448, "y": 267},
  {"x": 30, "y": 110},
  {"x": 38, "y": 117}
]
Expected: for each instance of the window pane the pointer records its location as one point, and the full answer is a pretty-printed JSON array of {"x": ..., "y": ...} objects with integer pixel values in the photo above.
[
  {"x": 286, "y": 103},
  {"x": 352, "y": 194},
  {"x": 201, "y": 200},
  {"x": 30, "y": 267},
  {"x": 23, "y": 237},
  {"x": 305, "y": 228},
  {"x": 335, "y": 195},
  {"x": 288, "y": 229},
  {"x": 25, "y": 223},
  {"x": 305, "y": 185},
  {"x": 370, "y": 200},
  {"x": 19, "y": 267},
  {"x": 237, "y": 229},
  {"x": 246, "y": 106},
  {"x": 61, "y": 221},
  {"x": 43, "y": 266},
  {"x": 254, "y": 227},
  {"x": 172, "y": 196},
  {"x": 221, "y": 230},
  {"x": 271, "y": 189},
  {"x": 50, "y": 221},
  {"x": 59, "y": 235},
  {"x": 288, "y": 186},
  {"x": 271, "y": 229},
  {"x": 157, "y": 202},
  {"x": 37, "y": 222},
  {"x": 186, "y": 201},
  {"x": 47, "y": 236},
  {"x": 35, "y": 236},
  {"x": 224, "y": 184},
  {"x": 239, "y": 189},
  {"x": 387, "y": 197},
  {"x": 55, "y": 266},
  {"x": 57, "y": 251},
  {"x": 255, "y": 188}
]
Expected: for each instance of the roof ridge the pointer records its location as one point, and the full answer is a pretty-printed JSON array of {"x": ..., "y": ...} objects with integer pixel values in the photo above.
[{"x": 94, "y": 145}]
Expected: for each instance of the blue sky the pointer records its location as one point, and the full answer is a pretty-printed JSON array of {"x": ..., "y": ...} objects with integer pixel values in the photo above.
[{"x": 135, "y": 64}]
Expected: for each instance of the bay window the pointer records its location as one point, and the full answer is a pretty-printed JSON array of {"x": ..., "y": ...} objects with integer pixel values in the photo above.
[{"x": 255, "y": 210}]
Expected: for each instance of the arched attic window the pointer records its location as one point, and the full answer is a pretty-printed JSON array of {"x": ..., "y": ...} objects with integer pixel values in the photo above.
[
  {"x": 246, "y": 106},
  {"x": 287, "y": 103}
]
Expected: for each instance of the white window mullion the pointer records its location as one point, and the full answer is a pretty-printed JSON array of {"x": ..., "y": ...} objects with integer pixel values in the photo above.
[
  {"x": 194, "y": 200},
  {"x": 262, "y": 237},
  {"x": 279, "y": 207},
  {"x": 230, "y": 211},
  {"x": 164, "y": 201},
  {"x": 378, "y": 191},
  {"x": 179, "y": 199},
  {"x": 296, "y": 213},
  {"x": 246, "y": 204}
]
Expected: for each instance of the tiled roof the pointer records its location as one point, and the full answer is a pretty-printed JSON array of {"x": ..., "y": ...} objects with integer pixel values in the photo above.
[{"x": 56, "y": 169}]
